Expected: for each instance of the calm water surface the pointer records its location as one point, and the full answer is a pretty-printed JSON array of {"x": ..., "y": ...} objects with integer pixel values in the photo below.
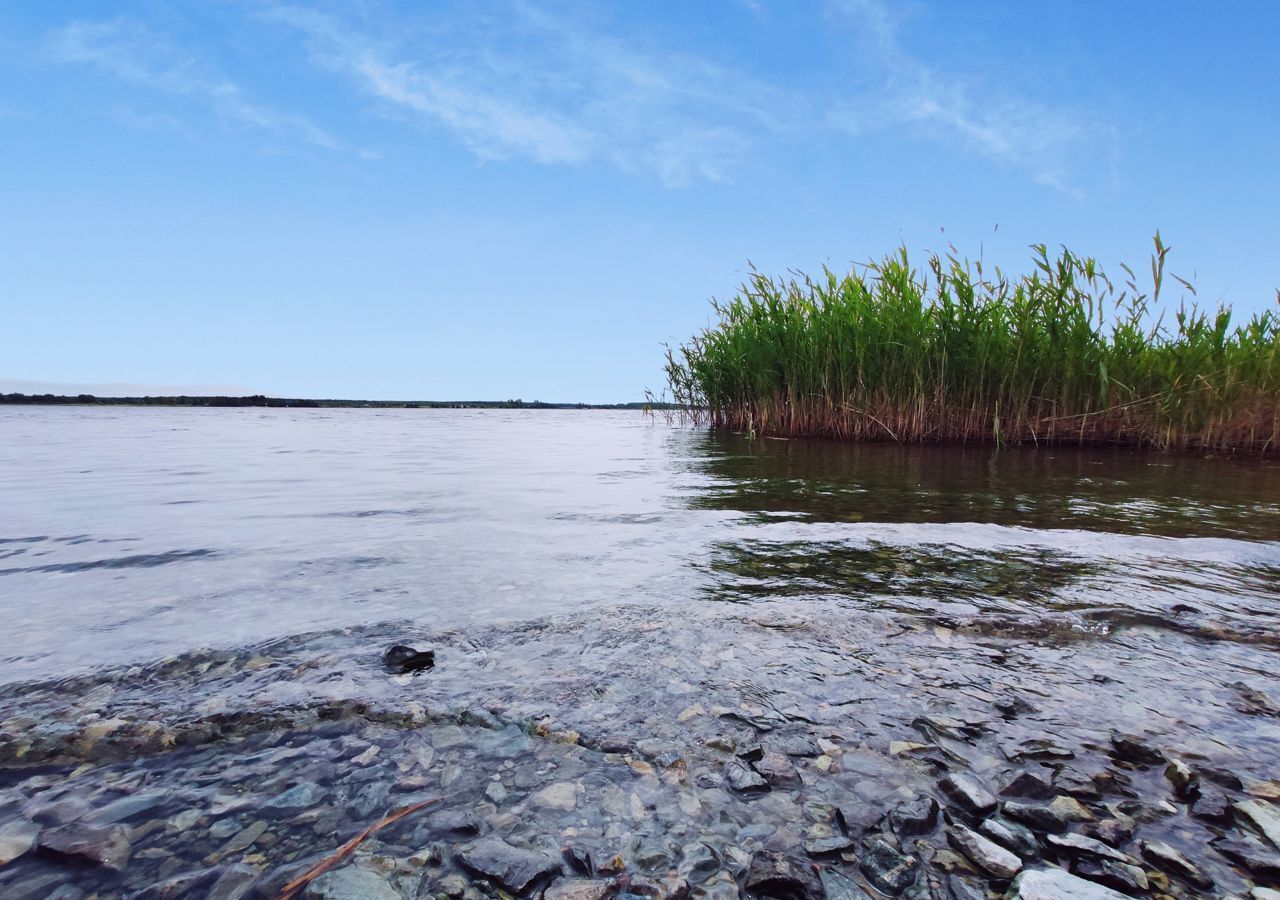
[{"x": 132, "y": 534}]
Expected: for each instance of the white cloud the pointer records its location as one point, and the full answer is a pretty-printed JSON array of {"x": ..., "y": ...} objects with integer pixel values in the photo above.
[
  {"x": 952, "y": 108},
  {"x": 571, "y": 94},
  {"x": 132, "y": 53}
]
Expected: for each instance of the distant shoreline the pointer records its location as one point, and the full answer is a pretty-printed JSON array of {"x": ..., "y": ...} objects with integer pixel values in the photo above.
[{"x": 300, "y": 403}]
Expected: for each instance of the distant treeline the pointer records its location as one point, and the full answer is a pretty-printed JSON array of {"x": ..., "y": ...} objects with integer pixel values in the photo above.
[
  {"x": 295, "y": 403},
  {"x": 949, "y": 353}
]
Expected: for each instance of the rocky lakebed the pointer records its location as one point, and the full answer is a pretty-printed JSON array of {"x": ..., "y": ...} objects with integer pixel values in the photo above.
[{"x": 716, "y": 751}]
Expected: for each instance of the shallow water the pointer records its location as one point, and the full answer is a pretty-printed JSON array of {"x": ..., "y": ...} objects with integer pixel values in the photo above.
[{"x": 613, "y": 601}]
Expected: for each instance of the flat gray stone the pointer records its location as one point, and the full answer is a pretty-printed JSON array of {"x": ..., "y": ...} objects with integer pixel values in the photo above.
[
  {"x": 350, "y": 883},
  {"x": 1264, "y": 817},
  {"x": 966, "y": 793},
  {"x": 1058, "y": 884},
  {"x": 987, "y": 855}
]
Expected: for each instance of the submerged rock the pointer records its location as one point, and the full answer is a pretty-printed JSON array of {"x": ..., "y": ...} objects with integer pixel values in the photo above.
[
  {"x": 107, "y": 845},
  {"x": 776, "y": 769},
  {"x": 1124, "y": 877},
  {"x": 401, "y": 659},
  {"x": 351, "y": 883},
  {"x": 775, "y": 875},
  {"x": 512, "y": 868},
  {"x": 1012, "y": 836},
  {"x": 1134, "y": 749},
  {"x": 745, "y": 780}
]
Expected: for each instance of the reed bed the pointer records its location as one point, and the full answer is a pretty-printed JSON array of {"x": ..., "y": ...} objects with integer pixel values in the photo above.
[{"x": 949, "y": 354}]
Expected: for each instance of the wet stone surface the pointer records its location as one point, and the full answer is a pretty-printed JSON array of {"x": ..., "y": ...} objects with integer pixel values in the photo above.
[{"x": 724, "y": 751}]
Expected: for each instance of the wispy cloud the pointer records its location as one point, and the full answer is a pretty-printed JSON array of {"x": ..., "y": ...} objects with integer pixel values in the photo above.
[
  {"x": 132, "y": 53},
  {"x": 572, "y": 93},
  {"x": 954, "y": 108}
]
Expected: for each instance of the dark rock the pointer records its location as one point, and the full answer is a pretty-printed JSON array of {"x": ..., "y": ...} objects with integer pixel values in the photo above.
[
  {"x": 512, "y": 868},
  {"x": 987, "y": 855},
  {"x": 751, "y": 752},
  {"x": 1031, "y": 785},
  {"x": 775, "y": 875},
  {"x": 857, "y": 819},
  {"x": 1128, "y": 879},
  {"x": 801, "y": 746},
  {"x": 1134, "y": 749},
  {"x": 61, "y": 812},
  {"x": 1040, "y": 818},
  {"x": 827, "y": 846},
  {"x": 1011, "y": 835},
  {"x": 916, "y": 816},
  {"x": 579, "y": 859},
  {"x": 890, "y": 871},
  {"x": 1115, "y": 832},
  {"x": 402, "y": 659},
  {"x": 1166, "y": 858},
  {"x": 776, "y": 769},
  {"x": 966, "y": 793},
  {"x": 459, "y": 822},
  {"x": 106, "y": 845},
  {"x": 1213, "y": 806},
  {"x": 1262, "y": 862},
  {"x": 615, "y": 744},
  {"x": 1077, "y": 783},
  {"x": 744, "y": 780}
]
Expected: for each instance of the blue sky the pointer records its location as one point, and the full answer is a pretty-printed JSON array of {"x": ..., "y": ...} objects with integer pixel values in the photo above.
[{"x": 363, "y": 198}]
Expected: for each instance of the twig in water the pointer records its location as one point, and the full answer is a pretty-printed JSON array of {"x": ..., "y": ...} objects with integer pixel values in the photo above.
[{"x": 346, "y": 849}]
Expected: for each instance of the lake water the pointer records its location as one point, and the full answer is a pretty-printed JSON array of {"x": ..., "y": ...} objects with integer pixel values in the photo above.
[
  {"x": 192, "y": 596},
  {"x": 130, "y": 534}
]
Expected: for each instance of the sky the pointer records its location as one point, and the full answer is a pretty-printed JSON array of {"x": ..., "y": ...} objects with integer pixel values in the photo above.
[{"x": 528, "y": 199}]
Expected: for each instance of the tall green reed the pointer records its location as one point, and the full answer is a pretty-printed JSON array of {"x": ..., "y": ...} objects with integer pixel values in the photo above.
[{"x": 954, "y": 353}]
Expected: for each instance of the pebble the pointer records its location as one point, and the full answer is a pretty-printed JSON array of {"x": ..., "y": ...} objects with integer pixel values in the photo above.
[{"x": 512, "y": 868}]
